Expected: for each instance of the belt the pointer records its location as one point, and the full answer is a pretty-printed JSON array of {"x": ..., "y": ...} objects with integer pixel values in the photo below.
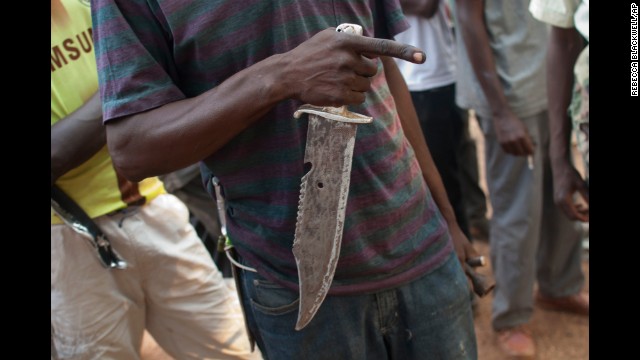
[{"x": 73, "y": 215}]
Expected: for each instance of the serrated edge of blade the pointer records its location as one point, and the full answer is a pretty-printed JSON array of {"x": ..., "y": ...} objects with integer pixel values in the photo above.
[{"x": 303, "y": 191}]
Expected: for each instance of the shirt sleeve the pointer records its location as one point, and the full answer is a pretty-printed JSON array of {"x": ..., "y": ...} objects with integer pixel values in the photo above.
[
  {"x": 389, "y": 19},
  {"x": 554, "y": 12},
  {"x": 133, "y": 54}
]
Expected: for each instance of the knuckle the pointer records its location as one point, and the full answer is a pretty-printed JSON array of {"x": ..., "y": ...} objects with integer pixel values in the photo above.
[
  {"x": 340, "y": 41},
  {"x": 406, "y": 52},
  {"x": 367, "y": 84},
  {"x": 363, "y": 84},
  {"x": 344, "y": 61},
  {"x": 392, "y": 48},
  {"x": 334, "y": 99},
  {"x": 383, "y": 46},
  {"x": 370, "y": 68}
]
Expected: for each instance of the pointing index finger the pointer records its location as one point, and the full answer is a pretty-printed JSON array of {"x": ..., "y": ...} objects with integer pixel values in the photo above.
[{"x": 385, "y": 47}]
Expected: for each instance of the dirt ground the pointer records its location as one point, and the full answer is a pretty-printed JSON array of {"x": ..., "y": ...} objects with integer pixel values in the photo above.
[{"x": 558, "y": 336}]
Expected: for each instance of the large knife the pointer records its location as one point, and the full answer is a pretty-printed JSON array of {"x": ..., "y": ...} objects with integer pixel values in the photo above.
[{"x": 324, "y": 191}]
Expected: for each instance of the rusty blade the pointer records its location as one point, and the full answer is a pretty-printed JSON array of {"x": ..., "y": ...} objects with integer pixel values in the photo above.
[{"x": 321, "y": 210}]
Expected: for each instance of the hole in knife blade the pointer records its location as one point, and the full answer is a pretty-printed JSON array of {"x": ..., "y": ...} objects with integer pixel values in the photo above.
[
  {"x": 307, "y": 167},
  {"x": 320, "y": 185}
]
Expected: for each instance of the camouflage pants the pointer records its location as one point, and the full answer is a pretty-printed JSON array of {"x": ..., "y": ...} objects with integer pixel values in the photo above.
[{"x": 579, "y": 109}]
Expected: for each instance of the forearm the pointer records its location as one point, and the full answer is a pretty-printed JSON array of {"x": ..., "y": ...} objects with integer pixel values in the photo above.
[
  {"x": 413, "y": 132},
  {"x": 76, "y": 138},
  {"x": 470, "y": 15},
  {"x": 178, "y": 134},
  {"x": 424, "y": 8},
  {"x": 181, "y": 133},
  {"x": 564, "y": 48}
]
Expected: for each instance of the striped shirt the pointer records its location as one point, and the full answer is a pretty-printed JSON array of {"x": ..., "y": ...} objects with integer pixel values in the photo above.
[{"x": 152, "y": 53}]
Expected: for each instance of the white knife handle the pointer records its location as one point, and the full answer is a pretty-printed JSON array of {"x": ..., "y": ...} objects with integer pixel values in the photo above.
[{"x": 350, "y": 29}]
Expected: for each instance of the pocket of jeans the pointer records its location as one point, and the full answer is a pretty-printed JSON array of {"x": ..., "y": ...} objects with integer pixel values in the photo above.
[{"x": 273, "y": 299}]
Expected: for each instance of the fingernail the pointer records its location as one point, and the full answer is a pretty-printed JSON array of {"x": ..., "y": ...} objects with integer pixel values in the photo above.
[{"x": 419, "y": 57}]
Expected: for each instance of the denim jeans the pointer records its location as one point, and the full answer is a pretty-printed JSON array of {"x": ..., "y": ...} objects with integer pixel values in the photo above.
[{"x": 429, "y": 318}]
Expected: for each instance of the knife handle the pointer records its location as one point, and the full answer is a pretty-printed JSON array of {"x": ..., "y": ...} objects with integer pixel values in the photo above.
[{"x": 350, "y": 29}]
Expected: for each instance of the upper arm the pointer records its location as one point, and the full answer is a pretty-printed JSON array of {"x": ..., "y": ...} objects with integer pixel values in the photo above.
[
  {"x": 469, "y": 12},
  {"x": 133, "y": 54}
]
